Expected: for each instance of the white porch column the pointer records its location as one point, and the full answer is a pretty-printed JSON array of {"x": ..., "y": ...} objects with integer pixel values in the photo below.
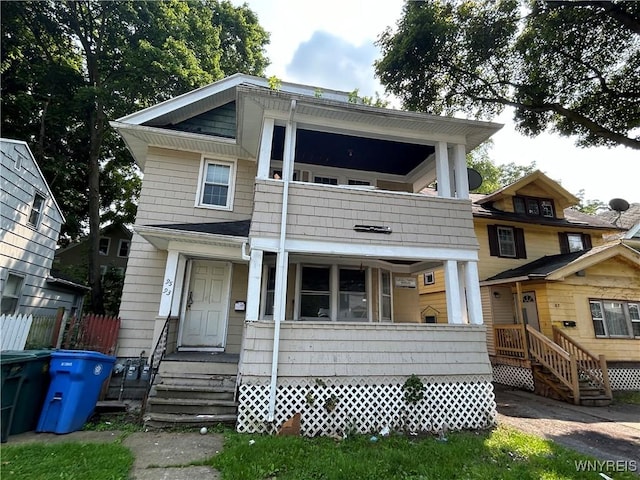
[
  {"x": 253, "y": 285},
  {"x": 443, "y": 172},
  {"x": 179, "y": 284},
  {"x": 454, "y": 312},
  {"x": 264, "y": 154},
  {"x": 463, "y": 295},
  {"x": 168, "y": 284},
  {"x": 460, "y": 169},
  {"x": 474, "y": 302}
]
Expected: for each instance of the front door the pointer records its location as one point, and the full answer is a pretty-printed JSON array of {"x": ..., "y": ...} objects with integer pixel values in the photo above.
[
  {"x": 530, "y": 310},
  {"x": 207, "y": 306}
]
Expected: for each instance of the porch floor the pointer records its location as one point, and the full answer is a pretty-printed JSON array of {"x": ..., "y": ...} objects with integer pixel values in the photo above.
[{"x": 213, "y": 357}]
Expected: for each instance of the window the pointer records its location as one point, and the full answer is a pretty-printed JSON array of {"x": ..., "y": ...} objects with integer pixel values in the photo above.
[
  {"x": 428, "y": 278},
  {"x": 534, "y": 207},
  {"x": 123, "y": 248},
  {"x": 359, "y": 182},
  {"x": 37, "y": 208},
  {"x": 271, "y": 290},
  {"x": 615, "y": 319},
  {"x": 326, "y": 180},
  {"x": 506, "y": 241},
  {"x": 216, "y": 186},
  {"x": 103, "y": 247},
  {"x": 352, "y": 303},
  {"x": 11, "y": 294},
  {"x": 315, "y": 293},
  {"x": 385, "y": 296},
  {"x": 574, "y": 242}
]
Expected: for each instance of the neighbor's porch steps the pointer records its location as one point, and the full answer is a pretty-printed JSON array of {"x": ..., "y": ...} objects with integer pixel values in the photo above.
[
  {"x": 193, "y": 392},
  {"x": 548, "y": 385}
]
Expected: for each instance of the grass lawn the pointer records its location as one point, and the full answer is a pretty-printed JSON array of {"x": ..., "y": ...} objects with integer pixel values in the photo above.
[
  {"x": 65, "y": 461},
  {"x": 500, "y": 454},
  {"x": 627, "y": 396}
]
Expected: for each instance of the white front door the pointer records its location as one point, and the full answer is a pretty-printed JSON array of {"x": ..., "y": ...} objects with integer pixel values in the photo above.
[
  {"x": 207, "y": 306},
  {"x": 530, "y": 310}
]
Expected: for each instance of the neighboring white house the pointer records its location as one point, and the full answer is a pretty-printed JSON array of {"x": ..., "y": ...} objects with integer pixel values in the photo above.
[
  {"x": 286, "y": 227},
  {"x": 29, "y": 229}
]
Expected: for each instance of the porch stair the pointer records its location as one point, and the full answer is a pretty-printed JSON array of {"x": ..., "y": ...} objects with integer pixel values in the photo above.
[
  {"x": 564, "y": 370},
  {"x": 193, "y": 390}
]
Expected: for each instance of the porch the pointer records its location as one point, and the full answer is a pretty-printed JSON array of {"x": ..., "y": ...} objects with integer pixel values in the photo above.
[{"x": 557, "y": 367}]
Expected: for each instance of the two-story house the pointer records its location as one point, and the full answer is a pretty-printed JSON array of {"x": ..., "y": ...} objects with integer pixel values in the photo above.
[
  {"x": 30, "y": 226},
  {"x": 547, "y": 270},
  {"x": 278, "y": 237}
]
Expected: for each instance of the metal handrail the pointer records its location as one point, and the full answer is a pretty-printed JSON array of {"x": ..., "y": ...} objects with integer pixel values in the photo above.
[{"x": 156, "y": 357}]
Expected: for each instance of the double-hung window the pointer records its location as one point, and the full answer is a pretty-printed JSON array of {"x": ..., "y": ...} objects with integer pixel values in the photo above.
[
  {"x": 37, "y": 207},
  {"x": 216, "y": 184},
  {"x": 11, "y": 294},
  {"x": 615, "y": 318},
  {"x": 352, "y": 295},
  {"x": 506, "y": 241},
  {"x": 385, "y": 296},
  {"x": 574, "y": 242},
  {"x": 315, "y": 293}
]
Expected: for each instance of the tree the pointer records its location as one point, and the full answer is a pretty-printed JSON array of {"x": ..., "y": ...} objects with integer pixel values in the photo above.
[
  {"x": 494, "y": 177},
  {"x": 572, "y": 66},
  {"x": 70, "y": 66}
]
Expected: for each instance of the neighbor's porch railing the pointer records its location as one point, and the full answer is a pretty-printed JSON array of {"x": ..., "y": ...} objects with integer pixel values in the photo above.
[
  {"x": 592, "y": 367},
  {"x": 511, "y": 341},
  {"x": 557, "y": 360}
]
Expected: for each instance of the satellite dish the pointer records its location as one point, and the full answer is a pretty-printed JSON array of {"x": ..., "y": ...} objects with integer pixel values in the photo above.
[
  {"x": 475, "y": 179},
  {"x": 619, "y": 205}
]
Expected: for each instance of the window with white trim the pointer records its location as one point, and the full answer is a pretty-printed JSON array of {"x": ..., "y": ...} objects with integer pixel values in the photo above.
[
  {"x": 216, "y": 184},
  {"x": 11, "y": 294},
  {"x": 103, "y": 246},
  {"x": 506, "y": 242},
  {"x": 325, "y": 180},
  {"x": 615, "y": 318},
  {"x": 123, "y": 248},
  {"x": 352, "y": 300},
  {"x": 428, "y": 278},
  {"x": 315, "y": 293},
  {"x": 37, "y": 207},
  {"x": 386, "y": 307},
  {"x": 271, "y": 291}
]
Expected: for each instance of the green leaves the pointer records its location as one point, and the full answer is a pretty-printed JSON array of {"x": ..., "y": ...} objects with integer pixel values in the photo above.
[{"x": 571, "y": 66}]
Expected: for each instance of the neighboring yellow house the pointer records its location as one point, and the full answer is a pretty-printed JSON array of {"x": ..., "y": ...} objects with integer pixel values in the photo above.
[{"x": 549, "y": 267}]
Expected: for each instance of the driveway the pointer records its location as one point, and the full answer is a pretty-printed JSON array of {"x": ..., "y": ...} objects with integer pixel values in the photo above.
[{"x": 607, "y": 433}]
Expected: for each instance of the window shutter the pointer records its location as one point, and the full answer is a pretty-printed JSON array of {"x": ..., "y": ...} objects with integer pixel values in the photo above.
[
  {"x": 586, "y": 241},
  {"x": 521, "y": 251},
  {"x": 494, "y": 249},
  {"x": 564, "y": 242}
]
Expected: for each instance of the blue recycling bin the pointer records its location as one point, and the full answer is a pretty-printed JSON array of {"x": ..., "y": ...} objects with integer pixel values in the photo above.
[{"x": 76, "y": 380}]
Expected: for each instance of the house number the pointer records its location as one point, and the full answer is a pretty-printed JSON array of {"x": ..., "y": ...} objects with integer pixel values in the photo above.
[{"x": 167, "y": 289}]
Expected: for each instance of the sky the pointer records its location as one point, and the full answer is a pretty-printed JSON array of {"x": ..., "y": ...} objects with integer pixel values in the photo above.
[{"x": 330, "y": 44}]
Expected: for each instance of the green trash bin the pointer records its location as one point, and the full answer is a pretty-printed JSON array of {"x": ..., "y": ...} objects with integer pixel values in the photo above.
[{"x": 25, "y": 381}]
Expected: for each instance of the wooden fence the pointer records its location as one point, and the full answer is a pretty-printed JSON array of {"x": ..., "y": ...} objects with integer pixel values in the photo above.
[{"x": 92, "y": 332}]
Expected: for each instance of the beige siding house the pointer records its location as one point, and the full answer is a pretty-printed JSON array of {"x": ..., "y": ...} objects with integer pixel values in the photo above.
[{"x": 278, "y": 238}]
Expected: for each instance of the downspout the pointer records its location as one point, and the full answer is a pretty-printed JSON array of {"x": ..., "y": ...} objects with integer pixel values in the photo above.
[{"x": 282, "y": 263}]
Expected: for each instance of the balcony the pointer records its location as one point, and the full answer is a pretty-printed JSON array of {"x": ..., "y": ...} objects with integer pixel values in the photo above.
[{"x": 329, "y": 213}]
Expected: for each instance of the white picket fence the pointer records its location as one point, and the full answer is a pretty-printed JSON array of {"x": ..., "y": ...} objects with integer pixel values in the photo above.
[{"x": 14, "y": 330}]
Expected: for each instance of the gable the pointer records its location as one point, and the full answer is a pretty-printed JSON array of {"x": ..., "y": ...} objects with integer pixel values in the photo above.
[{"x": 218, "y": 122}]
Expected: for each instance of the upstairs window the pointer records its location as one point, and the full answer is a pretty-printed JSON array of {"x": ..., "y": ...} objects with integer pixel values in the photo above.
[
  {"x": 574, "y": 242},
  {"x": 37, "y": 207},
  {"x": 216, "y": 185},
  {"x": 123, "y": 248},
  {"x": 615, "y": 319},
  {"x": 103, "y": 247},
  {"x": 505, "y": 241},
  {"x": 534, "y": 207},
  {"x": 325, "y": 180}
]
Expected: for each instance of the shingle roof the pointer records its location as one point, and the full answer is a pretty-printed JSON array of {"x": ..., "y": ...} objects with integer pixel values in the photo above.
[
  {"x": 238, "y": 228},
  {"x": 626, "y": 219},
  {"x": 540, "y": 267}
]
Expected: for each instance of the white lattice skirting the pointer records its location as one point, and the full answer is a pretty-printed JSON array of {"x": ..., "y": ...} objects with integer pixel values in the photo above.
[
  {"x": 337, "y": 409},
  {"x": 624, "y": 378},
  {"x": 517, "y": 377}
]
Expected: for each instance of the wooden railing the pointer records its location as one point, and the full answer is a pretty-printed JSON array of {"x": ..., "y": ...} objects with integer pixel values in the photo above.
[
  {"x": 510, "y": 341},
  {"x": 557, "y": 360},
  {"x": 590, "y": 366}
]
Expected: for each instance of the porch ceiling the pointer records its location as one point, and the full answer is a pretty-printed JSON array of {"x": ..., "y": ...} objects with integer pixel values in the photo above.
[{"x": 221, "y": 234}]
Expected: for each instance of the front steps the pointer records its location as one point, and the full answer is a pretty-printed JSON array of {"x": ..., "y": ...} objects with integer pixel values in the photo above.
[
  {"x": 547, "y": 385},
  {"x": 193, "y": 390}
]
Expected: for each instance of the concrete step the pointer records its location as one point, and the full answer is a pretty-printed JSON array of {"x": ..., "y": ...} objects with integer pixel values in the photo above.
[
  {"x": 595, "y": 401},
  {"x": 193, "y": 391},
  {"x": 166, "y": 420},
  {"x": 196, "y": 379},
  {"x": 202, "y": 368},
  {"x": 185, "y": 406}
]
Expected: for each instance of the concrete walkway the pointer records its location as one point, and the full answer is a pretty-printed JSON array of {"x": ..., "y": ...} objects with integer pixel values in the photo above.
[
  {"x": 607, "y": 433},
  {"x": 158, "y": 455}
]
